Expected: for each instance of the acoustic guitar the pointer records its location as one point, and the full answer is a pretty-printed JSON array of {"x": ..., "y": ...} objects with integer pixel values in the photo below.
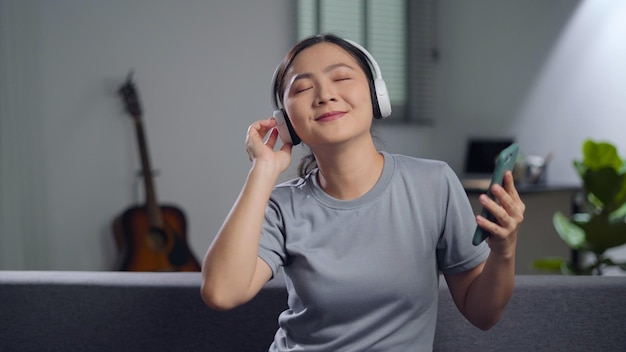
[{"x": 150, "y": 237}]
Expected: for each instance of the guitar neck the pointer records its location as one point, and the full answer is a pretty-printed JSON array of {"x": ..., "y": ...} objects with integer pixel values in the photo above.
[{"x": 152, "y": 202}]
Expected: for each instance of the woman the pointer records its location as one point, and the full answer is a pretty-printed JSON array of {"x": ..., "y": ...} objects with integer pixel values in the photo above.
[{"x": 362, "y": 235}]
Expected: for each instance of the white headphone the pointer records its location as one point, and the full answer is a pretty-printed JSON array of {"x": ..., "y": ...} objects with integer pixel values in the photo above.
[
  {"x": 380, "y": 87},
  {"x": 285, "y": 129}
]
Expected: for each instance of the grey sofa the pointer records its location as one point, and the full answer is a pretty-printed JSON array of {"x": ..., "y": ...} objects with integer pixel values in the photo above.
[{"x": 123, "y": 311}]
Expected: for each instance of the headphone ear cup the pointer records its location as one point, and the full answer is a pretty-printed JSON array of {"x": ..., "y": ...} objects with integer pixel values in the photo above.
[
  {"x": 285, "y": 130},
  {"x": 384, "y": 103}
]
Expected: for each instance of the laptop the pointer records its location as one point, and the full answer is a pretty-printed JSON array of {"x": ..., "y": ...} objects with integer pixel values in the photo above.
[{"x": 480, "y": 161}]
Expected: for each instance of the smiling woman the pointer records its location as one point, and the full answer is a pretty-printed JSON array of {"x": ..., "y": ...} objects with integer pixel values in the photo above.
[
  {"x": 326, "y": 92},
  {"x": 361, "y": 65},
  {"x": 323, "y": 228}
]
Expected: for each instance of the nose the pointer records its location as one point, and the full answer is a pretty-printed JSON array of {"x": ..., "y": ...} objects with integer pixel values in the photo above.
[{"x": 325, "y": 93}]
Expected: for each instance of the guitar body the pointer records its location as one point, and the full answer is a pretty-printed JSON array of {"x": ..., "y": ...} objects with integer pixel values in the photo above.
[{"x": 143, "y": 247}]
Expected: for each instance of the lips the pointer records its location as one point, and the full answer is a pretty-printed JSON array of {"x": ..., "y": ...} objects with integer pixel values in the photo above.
[{"x": 330, "y": 116}]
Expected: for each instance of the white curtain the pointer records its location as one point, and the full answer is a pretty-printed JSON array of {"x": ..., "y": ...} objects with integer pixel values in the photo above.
[{"x": 22, "y": 188}]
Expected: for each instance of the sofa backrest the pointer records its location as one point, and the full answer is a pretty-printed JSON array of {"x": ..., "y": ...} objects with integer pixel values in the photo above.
[
  {"x": 546, "y": 313},
  {"x": 123, "y": 311}
]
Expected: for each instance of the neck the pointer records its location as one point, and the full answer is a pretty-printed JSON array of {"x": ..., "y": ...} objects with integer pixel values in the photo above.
[{"x": 349, "y": 173}]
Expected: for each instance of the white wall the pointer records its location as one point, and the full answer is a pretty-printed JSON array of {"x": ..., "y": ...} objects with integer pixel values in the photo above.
[
  {"x": 203, "y": 70},
  {"x": 579, "y": 91}
]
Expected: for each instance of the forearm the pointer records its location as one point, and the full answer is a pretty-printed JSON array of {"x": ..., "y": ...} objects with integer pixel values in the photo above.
[
  {"x": 489, "y": 292},
  {"x": 230, "y": 263}
]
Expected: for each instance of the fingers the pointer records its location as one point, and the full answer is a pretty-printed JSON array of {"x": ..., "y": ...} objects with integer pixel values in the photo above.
[
  {"x": 509, "y": 186},
  {"x": 273, "y": 137},
  {"x": 286, "y": 146},
  {"x": 510, "y": 200},
  {"x": 260, "y": 128},
  {"x": 508, "y": 209},
  {"x": 261, "y": 139}
]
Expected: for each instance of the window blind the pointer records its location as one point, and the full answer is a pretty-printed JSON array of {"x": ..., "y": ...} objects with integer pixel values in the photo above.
[
  {"x": 398, "y": 33},
  {"x": 422, "y": 54}
]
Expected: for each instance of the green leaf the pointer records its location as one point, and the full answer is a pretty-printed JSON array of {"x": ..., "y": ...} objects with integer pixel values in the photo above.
[
  {"x": 619, "y": 215},
  {"x": 548, "y": 263},
  {"x": 602, "y": 233},
  {"x": 604, "y": 183},
  {"x": 620, "y": 198},
  {"x": 622, "y": 170},
  {"x": 572, "y": 234},
  {"x": 581, "y": 218},
  {"x": 600, "y": 155},
  {"x": 580, "y": 167}
]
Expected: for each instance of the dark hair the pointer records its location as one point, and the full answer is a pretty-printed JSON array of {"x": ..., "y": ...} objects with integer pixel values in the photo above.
[{"x": 308, "y": 162}]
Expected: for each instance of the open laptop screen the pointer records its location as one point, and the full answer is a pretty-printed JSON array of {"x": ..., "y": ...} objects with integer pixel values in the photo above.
[{"x": 481, "y": 153}]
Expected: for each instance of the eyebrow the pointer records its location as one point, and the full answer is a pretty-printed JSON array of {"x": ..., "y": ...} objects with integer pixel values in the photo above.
[{"x": 325, "y": 70}]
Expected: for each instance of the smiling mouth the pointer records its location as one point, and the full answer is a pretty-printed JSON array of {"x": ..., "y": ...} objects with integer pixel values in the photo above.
[{"x": 329, "y": 116}]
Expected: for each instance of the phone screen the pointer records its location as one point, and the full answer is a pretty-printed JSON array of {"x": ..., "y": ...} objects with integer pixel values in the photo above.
[{"x": 504, "y": 162}]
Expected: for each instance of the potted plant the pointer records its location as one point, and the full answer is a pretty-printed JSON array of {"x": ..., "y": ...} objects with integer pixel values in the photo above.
[{"x": 600, "y": 223}]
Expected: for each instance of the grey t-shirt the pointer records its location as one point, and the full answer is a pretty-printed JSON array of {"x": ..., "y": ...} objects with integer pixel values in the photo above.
[{"x": 363, "y": 274}]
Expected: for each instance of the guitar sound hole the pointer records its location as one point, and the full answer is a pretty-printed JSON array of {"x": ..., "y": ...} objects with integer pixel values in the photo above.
[
  {"x": 178, "y": 255},
  {"x": 158, "y": 238}
]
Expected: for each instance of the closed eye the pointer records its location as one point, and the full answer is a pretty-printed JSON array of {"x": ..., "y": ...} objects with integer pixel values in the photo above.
[{"x": 300, "y": 90}]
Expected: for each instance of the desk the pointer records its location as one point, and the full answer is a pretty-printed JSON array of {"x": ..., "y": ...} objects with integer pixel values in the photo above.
[{"x": 537, "y": 237}]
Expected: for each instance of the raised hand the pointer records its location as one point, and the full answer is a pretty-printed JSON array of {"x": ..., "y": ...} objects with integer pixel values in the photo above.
[{"x": 263, "y": 151}]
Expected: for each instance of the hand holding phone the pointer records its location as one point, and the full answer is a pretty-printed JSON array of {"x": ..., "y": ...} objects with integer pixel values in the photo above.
[{"x": 504, "y": 162}]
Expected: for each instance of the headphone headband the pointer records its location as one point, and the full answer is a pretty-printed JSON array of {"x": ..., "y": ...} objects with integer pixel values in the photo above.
[
  {"x": 370, "y": 59},
  {"x": 380, "y": 87}
]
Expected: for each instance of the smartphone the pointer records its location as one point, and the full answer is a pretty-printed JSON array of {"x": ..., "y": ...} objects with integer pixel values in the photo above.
[{"x": 504, "y": 162}]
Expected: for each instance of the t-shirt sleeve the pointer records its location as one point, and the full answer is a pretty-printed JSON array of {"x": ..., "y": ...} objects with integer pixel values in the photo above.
[
  {"x": 455, "y": 251},
  {"x": 272, "y": 241}
]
